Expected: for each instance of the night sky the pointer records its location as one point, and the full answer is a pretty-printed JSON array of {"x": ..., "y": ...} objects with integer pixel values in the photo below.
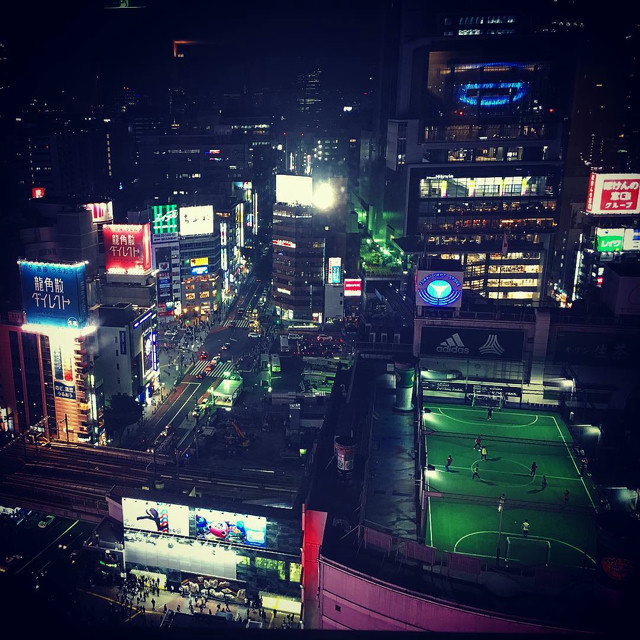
[{"x": 55, "y": 45}]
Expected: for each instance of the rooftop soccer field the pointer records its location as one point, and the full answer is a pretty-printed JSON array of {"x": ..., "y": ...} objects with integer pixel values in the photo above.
[{"x": 463, "y": 515}]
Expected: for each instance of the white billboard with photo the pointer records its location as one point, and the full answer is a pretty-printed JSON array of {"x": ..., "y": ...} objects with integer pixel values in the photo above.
[
  {"x": 156, "y": 517},
  {"x": 196, "y": 221}
]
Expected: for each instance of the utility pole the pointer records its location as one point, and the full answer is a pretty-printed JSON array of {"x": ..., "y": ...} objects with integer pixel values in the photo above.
[{"x": 66, "y": 426}]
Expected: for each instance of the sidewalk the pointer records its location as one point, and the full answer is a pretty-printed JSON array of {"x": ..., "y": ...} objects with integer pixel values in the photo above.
[{"x": 105, "y": 607}]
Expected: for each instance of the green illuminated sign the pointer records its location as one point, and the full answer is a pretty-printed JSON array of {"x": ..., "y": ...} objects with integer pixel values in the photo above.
[
  {"x": 609, "y": 240},
  {"x": 165, "y": 218}
]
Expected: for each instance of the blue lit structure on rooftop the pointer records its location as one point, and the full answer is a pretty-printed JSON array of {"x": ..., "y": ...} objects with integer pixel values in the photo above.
[{"x": 492, "y": 94}]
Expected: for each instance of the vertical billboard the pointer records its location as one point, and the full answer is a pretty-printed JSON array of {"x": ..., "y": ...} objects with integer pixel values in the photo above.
[
  {"x": 149, "y": 358},
  {"x": 154, "y": 516},
  {"x": 54, "y": 294},
  {"x": 614, "y": 193},
  {"x": 224, "y": 262},
  {"x": 164, "y": 279},
  {"x": 100, "y": 211},
  {"x": 439, "y": 289},
  {"x": 127, "y": 248},
  {"x": 196, "y": 221},
  {"x": 165, "y": 219},
  {"x": 62, "y": 363},
  {"x": 334, "y": 271}
]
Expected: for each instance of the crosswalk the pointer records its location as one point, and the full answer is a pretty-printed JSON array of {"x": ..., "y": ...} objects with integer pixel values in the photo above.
[
  {"x": 242, "y": 323},
  {"x": 217, "y": 371}
]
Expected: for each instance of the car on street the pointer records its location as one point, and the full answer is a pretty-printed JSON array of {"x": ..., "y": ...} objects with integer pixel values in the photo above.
[
  {"x": 225, "y": 346},
  {"x": 232, "y": 323},
  {"x": 203, "y": 355},
  {"x": 253, "y": 334},
  {"x": 46, "y": 522}
]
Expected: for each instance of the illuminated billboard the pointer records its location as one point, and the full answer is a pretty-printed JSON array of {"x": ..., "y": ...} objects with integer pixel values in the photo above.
[
  {"x": 54, "y": 294},
  {"x": 439, "y": 289},
  {"x": 37, "y": 192},
  {"x": 157, "y": 517},
  {"x": 294, "y": 190},
  {"x": 200, "y": 270},
  {"x": 100, "y": 211},
  {"x": 127, "y": 248},
  {"x": 352, "y": 287},
  {"x": 149, "y": 359},
  {"x": 609, "y": 240},
  {"x": 614, "y": 193},
  {"x": 196, "y": 221},
  {"x": 198, "y": 262},
  {"x": 165, "y": 218},
  {"x": 334, "y": 271},
  {"x": 631, "y": 240},
  {"x": 230, "y": 527},
  {"x": 62, "y": 362}
]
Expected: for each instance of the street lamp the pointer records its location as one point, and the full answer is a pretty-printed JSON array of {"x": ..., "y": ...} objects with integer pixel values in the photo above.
[{"x": 501, "y": 501}]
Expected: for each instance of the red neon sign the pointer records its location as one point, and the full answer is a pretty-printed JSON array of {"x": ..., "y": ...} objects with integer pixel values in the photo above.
[{"x": 127, "y": 248}]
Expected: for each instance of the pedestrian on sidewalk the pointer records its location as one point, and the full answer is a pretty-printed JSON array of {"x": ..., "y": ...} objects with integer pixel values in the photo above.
[{"x": 153, "y": 604}]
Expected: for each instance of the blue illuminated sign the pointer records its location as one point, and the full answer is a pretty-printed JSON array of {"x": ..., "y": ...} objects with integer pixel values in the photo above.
[
  {"x": 54, "y": 294},
  {"x": 439, "y": 289},
  {"x": 199, "y": 271},
  {"x": 492, "y": 94}
]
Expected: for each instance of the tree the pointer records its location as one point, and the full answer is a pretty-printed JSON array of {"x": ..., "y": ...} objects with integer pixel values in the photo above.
[{"x": 121, "y": 411}]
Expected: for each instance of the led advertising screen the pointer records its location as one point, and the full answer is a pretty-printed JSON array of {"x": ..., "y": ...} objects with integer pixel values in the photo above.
[
  {"x": 148, "y": 352},
  {"x": 613, "y": 193},
  {"x": 230, "y": 527},
  {"x": 439, "y": 289},
  {"x": 163, "y": 264},
  {"x": 62, "y": 358},
  {"x": 100, "y": 211},
  {"x": 609, "y": 240},
  {"x": 157, "y": 517},
  {"x": 352, "y": 287},
  {"x": 54, "y": 294},
  {"x": 294, "y": 190},
  {"x": 127, "y": 248},
  {"x": 196, "y": 221},
  {"x": 334, "y": 272},
  {"x": 37, "y": 192},
  {"x": 165, "y": 219}
]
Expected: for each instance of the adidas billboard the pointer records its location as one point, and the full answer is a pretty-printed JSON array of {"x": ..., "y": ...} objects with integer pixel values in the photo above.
[
  {"x": 452, "y": 344},
  {"x": 463, "y": 342}
]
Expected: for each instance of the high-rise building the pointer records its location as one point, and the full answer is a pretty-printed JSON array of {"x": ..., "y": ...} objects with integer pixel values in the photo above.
[
  {"x": 475, "y": 138},
  {"x": 298, "y": 251}
]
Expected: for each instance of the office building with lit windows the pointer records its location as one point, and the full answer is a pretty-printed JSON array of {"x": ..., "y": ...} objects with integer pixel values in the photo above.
[{"x": 475, "y": 145}]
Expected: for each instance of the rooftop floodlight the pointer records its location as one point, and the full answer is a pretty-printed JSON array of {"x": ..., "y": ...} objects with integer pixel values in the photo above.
[{"x": 324, "y": 196}]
